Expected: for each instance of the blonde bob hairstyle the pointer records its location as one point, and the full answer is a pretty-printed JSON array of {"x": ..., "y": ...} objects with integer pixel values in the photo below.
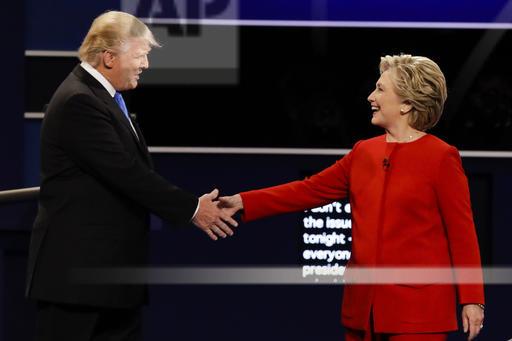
[
  {"x": 110, "y": 31},
  {"x": 421, "y": 83}
]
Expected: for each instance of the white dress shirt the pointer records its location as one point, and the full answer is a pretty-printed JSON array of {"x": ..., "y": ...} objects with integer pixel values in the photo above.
[{"x": 106, "y": 84}]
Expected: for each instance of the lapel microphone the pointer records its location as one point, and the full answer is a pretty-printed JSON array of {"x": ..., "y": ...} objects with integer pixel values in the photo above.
[{"x": 386, "y": 164}]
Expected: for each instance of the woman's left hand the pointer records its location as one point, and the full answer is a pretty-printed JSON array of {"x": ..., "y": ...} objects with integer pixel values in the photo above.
[{"x": 472, "y": 319}]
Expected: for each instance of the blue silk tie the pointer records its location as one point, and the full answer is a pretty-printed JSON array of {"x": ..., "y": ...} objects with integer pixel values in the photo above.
[{"x": 120, "y": 101}]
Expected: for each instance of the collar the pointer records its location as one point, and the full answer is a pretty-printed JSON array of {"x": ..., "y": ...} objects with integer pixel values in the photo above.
[{"x": 99, "y": 77}]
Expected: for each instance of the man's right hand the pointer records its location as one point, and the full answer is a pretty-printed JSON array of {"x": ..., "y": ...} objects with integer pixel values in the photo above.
[{"x": 211, "y": 219}]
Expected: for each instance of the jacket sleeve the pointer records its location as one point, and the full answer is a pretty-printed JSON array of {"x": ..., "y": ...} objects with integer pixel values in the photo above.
[
  {"x": 320, "y": 189},
  {"x": 454, "y": 202},
  {"x": 87, "y": 134}
]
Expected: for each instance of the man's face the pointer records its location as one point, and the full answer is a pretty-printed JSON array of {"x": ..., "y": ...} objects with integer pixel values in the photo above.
[{"x": 128, "y": 63}]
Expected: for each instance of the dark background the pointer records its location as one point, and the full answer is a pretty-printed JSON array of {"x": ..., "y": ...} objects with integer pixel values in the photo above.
[{"x": 307, "y": 87}]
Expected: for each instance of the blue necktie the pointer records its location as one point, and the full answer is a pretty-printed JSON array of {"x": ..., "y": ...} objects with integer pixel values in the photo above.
[{"x": 120, "y": 101}]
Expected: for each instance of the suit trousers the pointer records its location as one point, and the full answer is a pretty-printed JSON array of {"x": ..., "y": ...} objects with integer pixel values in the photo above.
[
  {"x": 65, "y": 322},
  {"x": 361, "y": 335},
  {"x": 370, "y": 335}
]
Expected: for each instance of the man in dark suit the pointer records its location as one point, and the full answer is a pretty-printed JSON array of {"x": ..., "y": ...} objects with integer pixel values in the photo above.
[{"x": 98, "y": 187}]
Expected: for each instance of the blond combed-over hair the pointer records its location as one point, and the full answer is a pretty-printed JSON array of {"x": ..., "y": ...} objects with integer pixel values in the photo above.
[{"x": 110, "y": 31}]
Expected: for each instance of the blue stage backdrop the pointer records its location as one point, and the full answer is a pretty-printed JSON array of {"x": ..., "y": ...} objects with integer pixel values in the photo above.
[{"x": 46, "y": 19}]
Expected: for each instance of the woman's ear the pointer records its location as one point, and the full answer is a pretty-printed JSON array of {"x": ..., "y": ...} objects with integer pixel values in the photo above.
[{"x": 405, "y": 107}]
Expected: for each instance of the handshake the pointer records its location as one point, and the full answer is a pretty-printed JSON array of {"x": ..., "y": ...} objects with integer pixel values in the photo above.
[{"x": 215, "y": 215}]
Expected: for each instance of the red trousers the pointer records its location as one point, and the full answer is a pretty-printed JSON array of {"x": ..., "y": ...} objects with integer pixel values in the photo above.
[{"x": 359, "y": 335}]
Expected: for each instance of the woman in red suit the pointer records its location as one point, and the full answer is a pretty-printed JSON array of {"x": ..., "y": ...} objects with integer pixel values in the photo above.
[{"x": 410, "y": 208}]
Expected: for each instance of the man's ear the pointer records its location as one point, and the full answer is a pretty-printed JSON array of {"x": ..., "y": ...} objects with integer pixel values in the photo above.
[{"x": 108, "y": 59}]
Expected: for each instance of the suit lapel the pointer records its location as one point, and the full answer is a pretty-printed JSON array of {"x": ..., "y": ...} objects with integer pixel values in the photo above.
[
  {"x": 143, "y": 143},
  {"x": 114, "y": 108}
]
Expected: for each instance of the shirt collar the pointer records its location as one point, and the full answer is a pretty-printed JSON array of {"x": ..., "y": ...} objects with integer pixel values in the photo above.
[{"x": 99, "y": 77}]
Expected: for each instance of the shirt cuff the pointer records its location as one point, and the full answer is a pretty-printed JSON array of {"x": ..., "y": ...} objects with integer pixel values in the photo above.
[{"x": 195, "y": 212}]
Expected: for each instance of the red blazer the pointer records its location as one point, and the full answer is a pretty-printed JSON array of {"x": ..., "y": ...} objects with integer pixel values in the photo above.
[{"x": 415, "y": 211}]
